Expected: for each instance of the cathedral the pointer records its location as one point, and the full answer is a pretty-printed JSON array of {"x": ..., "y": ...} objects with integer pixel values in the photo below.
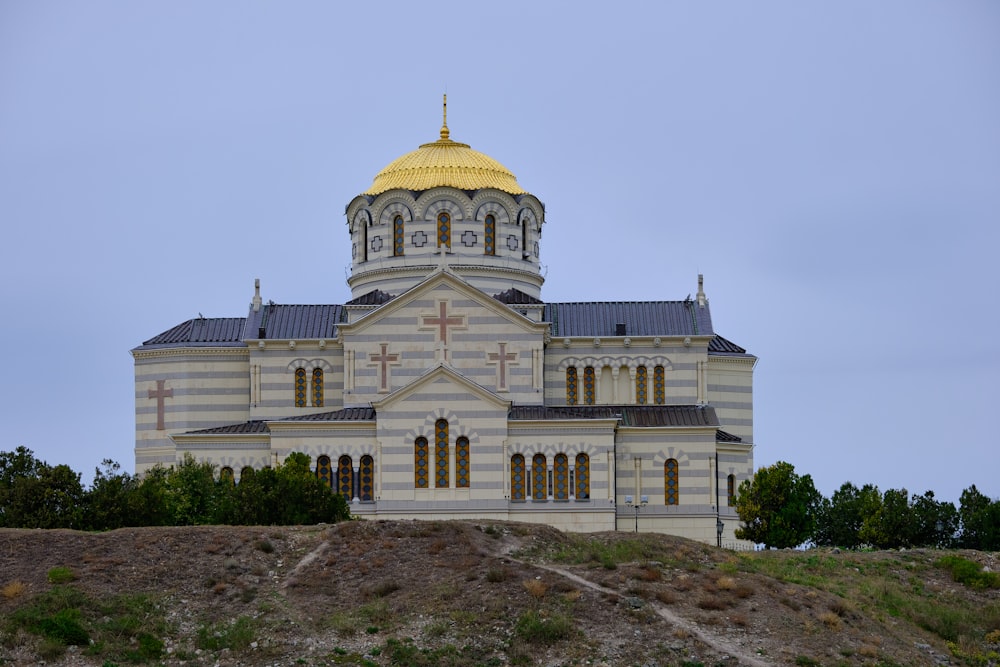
[{"x": 448, "y": 388}]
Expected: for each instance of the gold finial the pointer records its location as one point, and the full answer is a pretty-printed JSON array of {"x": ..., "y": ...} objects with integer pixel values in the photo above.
[{"x": 444, "y": 127}]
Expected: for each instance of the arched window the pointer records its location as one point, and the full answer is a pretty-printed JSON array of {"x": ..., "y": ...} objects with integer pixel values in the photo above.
[
  {"x": 226, "y": 475},
  {"x": 560, "y": 477},
  {"x": 582, "y": 477},
  {"x": 345, "y": 477},
  {"x": 671, "y": 482},
  {"x": 589, "y": 386},
  {"x": 490, "y": 235},
  {"x": 517, "y": 477},
  {"x": 317, "y": 387},
  {"x": 571, "y": 386},
  {"x": 397, "y": 236},
  {"x": 246, "y": 473},
  {"x": 421, "y": 463},
  {"x": 300, "y": 388},
  {"x": 731, "y": 490},
  {"x": 659, "y": 386},
  {"x": 462, "y": 463},
  {"x": 641, "y": 385},
  {"x": 444, "y": 229},
  {"x": 539, "y": 473},
  {"x": 441, "y": 476},
  {"x": 323, "y": 470},
  {"x": 367, "y": 479}
]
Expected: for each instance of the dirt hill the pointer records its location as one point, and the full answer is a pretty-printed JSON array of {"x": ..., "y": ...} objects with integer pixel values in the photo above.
[{"x": 465, "y": 593}]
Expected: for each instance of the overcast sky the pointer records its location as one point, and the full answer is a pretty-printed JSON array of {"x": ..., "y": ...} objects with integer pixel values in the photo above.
[{"x": 833, "y": 169}]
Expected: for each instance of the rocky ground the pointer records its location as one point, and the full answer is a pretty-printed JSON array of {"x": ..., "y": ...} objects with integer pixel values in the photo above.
[{"x": 453, "y": 593}]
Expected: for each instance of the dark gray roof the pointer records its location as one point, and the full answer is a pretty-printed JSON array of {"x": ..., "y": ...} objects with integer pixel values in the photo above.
[
  {"x": 641, "y": 318},
  {"x": 514, "y": 296},
  {"x": 202, "y": 332},
  {"x": 722, "y": 436},
  {"x": 281, "y": 321},
  {"x": 374, "y": 298},
  {"x": 343, "y": 415},
  {"x": 254, "y": 426},
  {"x": 631, "y": 415},
  {"x": 721, "y": 346}
]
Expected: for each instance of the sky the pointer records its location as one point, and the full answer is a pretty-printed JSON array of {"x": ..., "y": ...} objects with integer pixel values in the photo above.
[{"x": 833, "y": 169}]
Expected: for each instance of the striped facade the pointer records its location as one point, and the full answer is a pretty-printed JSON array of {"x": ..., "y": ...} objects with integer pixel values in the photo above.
[{"x": 447, "y": 388}]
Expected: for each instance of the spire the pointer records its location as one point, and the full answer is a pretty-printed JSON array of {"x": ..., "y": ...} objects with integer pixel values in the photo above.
[{"x": 444, "y": 125}]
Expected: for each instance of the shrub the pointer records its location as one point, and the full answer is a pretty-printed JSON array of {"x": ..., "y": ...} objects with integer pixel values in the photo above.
[
  {"x": 64, "y": 626},
  {"x": 968, "y": 572},
  {"x": 537, "y": 628},
  {"x": 535, "y": 587},
  {"x": 61, "y": 575},
  {"x": 264, "y": 545},
  {"x": 14, "y": 589}
]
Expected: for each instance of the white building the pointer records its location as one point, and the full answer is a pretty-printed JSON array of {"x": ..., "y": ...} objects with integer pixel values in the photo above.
[{"x": 447, "y": 388}]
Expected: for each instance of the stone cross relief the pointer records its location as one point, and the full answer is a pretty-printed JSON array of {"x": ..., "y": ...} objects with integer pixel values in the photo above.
[
  {"x": 159, "y": 394},
  {"x": 442, "y": 321},
  {"x": 501, "y": 359},
  {"x": 383, "y": 360}
]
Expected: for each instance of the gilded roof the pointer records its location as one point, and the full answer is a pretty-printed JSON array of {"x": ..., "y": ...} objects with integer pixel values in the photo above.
[{"x": 444, "y": 163}]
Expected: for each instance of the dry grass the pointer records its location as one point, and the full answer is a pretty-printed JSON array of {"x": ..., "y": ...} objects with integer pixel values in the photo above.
[
  {"x": 725, "y": 583},
  {"x": 14, "y": 589},
  {"x": 535, "y": 587},
  {"x": 830, "y": 619}
]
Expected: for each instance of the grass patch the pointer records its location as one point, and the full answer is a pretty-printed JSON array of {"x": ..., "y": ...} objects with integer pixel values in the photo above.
[
  {"x": 235, "y": 636},
  {"x": 968, "y": 572},
  {"x": 14, "y": 589},
  {"x": 61, "y": 575},
  {"x": 541, "y": 628}
]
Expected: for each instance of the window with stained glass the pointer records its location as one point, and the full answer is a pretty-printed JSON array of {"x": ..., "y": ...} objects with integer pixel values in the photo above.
[
  {"x": 441, "y": 476},
  {"x": 444, "y": 229},
  {"x": 421, "y": 463},
  {"x": 517, "y": 477},
  {"x": 589, "y": 386},
  {"x": 462, "y": 463},
  {"x": 539, "y": 474},
  {"x": 560, "y": 480},
  {"x": 345, "y": 477},
  {"x": 582, "y": 477},
  {"x": 317, "y": 387},
  {"x": 397, "y": 236},
  {"x": 367, "y": 479},
  {"x": 571, "y": 386},
  {"x": 246, "y": 473},
  {"x": 300, "y": 387},
  {"x": 731, "y": 490},
  {"x": 641, "y": 385},
  {"x": 323, "y": 470},
  {"x": 659, "y": 385},
  {"x": 671, "y": 482},
  {"x": 490, "y": 235},
  {"x": 226, "y": 475}
]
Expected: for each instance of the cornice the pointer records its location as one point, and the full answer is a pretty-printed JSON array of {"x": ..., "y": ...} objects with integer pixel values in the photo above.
[{"x": 243, "y": 350}]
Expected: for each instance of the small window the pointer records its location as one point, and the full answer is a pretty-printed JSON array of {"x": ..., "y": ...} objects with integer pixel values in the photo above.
[
  {"x": 323, "y": 470},
  {"x": 345, "y": 477},
  {"x": 582, "y": 477},
  {"x": 397, "y": 236},
  {"x": 561, "y": 474},
  {"x": 517, "y": 477},
  {"x": 490, "y": 235},
  {"x": 421, "y": 464},
  {"x": 589, "y": 386},
  {"x": 444, "y": 230},
  {"x": 462, "y": 463},
  {"x": 571, "y": 386},
  {"x": 671, "y": 482},
  {"x": 367, "y": 478},
  {"x": 226, "y": 475},
  {"x": 301, "y": 395},
  {"x": 317, "y": 387},
  {"x": 659, "y": 386},
  {"x": 441, "y": 474},
  {"x": 641, "y": 385},
  {"x": 731, "y": 490},
  {"x": 539, "y": 478}
]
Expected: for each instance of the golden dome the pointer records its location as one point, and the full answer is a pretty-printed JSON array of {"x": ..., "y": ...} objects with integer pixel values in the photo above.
[{"x": 444, "y": 163}]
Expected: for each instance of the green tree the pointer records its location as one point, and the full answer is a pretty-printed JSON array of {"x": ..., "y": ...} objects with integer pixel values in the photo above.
[
  {"x": 111, "y": 500},
  {"x": 841, "y": 517},
  {"x": 191, "y": 492},
  {"x": 980, "y": 519},
  {"x": 14, "y": 466},
  {"x": 891, "y": 526},
  {"x": 777, "y": 507},
  {"x": 52, "y": 498},
  {"x": 935, "y": 522}
]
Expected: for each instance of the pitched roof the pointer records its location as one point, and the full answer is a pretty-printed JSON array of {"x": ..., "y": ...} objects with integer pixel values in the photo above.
[
  {"x": 260, "y": 426},
  {"x": 514, "y": 296},
  {"x": 305, "y": 321},
  {"x": 631, "y": 415},
  {"x": 721, "y": 346},
  {"x": 640, "y": 318},
  {"x": 202, "y": 332},
  {"x": 374, "y": 298}
]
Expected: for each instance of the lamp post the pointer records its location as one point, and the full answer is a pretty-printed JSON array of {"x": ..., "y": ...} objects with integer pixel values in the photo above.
[
  {"x": 719, "y": 527},
  {"x": 630, "y": 502}
]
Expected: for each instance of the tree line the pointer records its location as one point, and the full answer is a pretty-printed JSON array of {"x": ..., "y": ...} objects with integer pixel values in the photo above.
[
  {"x": 34, "y": 494},
  {"x": 780, "y": 508}
]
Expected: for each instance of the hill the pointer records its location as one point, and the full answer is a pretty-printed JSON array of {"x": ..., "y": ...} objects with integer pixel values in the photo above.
[{"x": 465, "y": 593}]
